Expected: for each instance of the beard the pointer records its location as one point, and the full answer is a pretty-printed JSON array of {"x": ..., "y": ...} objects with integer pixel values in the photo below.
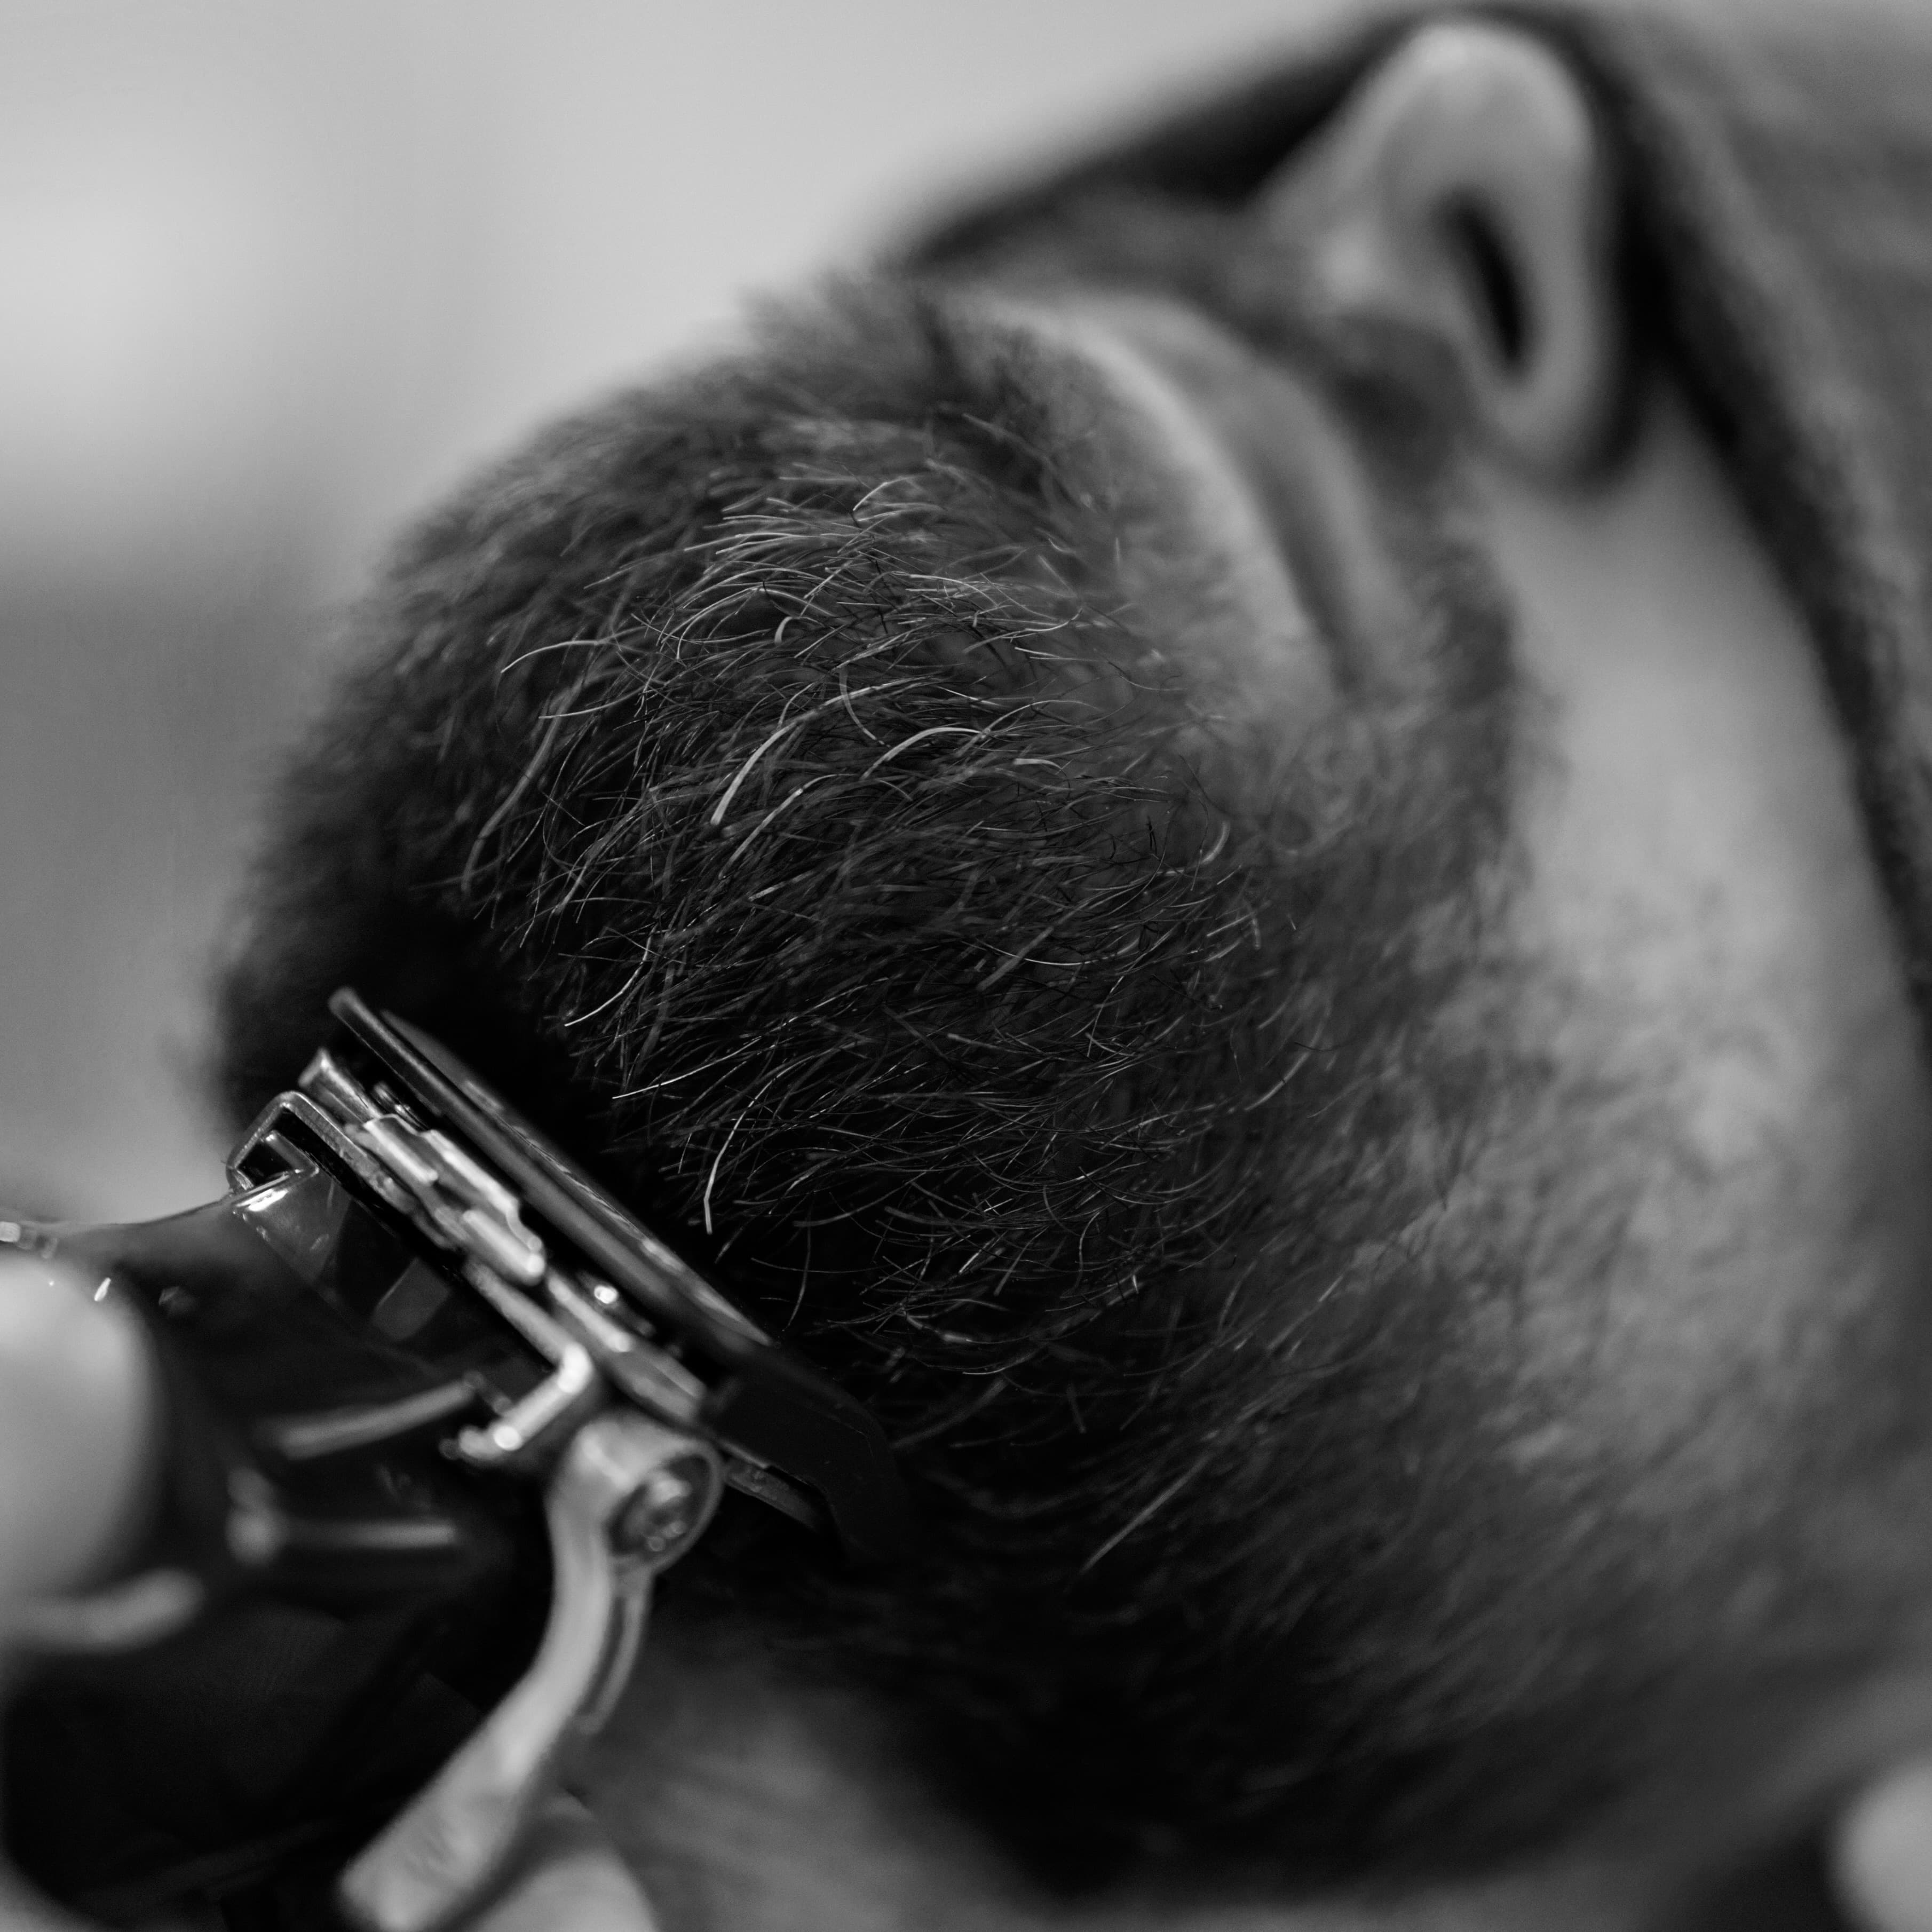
[{"x": 764, "y": 779}]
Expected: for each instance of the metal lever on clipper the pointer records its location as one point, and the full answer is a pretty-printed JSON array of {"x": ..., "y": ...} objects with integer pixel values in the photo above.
[{"x": 628, "y": 1499}]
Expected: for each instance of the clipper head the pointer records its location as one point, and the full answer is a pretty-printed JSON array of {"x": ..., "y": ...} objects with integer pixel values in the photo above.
[{"x": 615, "y": 1311}]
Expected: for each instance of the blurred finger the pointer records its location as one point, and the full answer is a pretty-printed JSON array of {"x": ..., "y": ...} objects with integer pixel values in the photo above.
[
  {"x": 76, "y": 1410},
  {"x": 21, "y": 1911},
  {"x": 1882, "y": 1854},
  {"x": 569, "y": 1879}
]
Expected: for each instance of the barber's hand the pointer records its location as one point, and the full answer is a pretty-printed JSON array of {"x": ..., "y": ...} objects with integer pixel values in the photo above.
[{"x": 75, "y": 1419}]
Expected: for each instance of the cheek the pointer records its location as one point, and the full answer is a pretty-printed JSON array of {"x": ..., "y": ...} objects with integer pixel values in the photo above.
[{"x": 1728, "y": 1112}]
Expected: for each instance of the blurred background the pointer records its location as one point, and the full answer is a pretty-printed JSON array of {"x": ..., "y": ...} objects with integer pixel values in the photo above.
[{"x": 272, "y": 274}]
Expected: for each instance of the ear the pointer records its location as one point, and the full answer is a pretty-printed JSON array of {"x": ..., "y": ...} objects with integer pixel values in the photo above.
[{"x": 1465, "y": 188}]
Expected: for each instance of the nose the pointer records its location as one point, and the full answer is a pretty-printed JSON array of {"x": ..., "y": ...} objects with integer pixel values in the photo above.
[{"x": 1467, "y": 189}]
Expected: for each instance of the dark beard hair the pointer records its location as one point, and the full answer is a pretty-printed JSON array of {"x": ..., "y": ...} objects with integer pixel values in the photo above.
[{"x": 761, "y": 777}]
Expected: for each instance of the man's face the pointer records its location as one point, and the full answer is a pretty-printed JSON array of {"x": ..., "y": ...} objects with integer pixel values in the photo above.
[
  {"x": 1321, "y": 1000},
  {"x": 1682, "y": 1214}
]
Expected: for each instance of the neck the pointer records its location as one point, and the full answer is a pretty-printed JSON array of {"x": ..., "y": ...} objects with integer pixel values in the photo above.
[{"x": 747, "y": 1804}]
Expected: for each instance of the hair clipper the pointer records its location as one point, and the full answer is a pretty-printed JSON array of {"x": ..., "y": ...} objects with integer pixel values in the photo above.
[{"x": 437, "y": 1410}]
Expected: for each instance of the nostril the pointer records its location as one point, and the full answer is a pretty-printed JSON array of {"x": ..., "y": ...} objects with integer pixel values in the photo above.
[{"x": 1495, "y": 285}]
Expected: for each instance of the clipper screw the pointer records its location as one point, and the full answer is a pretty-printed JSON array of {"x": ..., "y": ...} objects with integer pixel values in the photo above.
[{"x": 667, "y": 1505}]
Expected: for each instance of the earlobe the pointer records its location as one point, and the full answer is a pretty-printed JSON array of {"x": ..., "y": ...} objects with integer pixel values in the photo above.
[{"x": 1467, "y": 189}]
